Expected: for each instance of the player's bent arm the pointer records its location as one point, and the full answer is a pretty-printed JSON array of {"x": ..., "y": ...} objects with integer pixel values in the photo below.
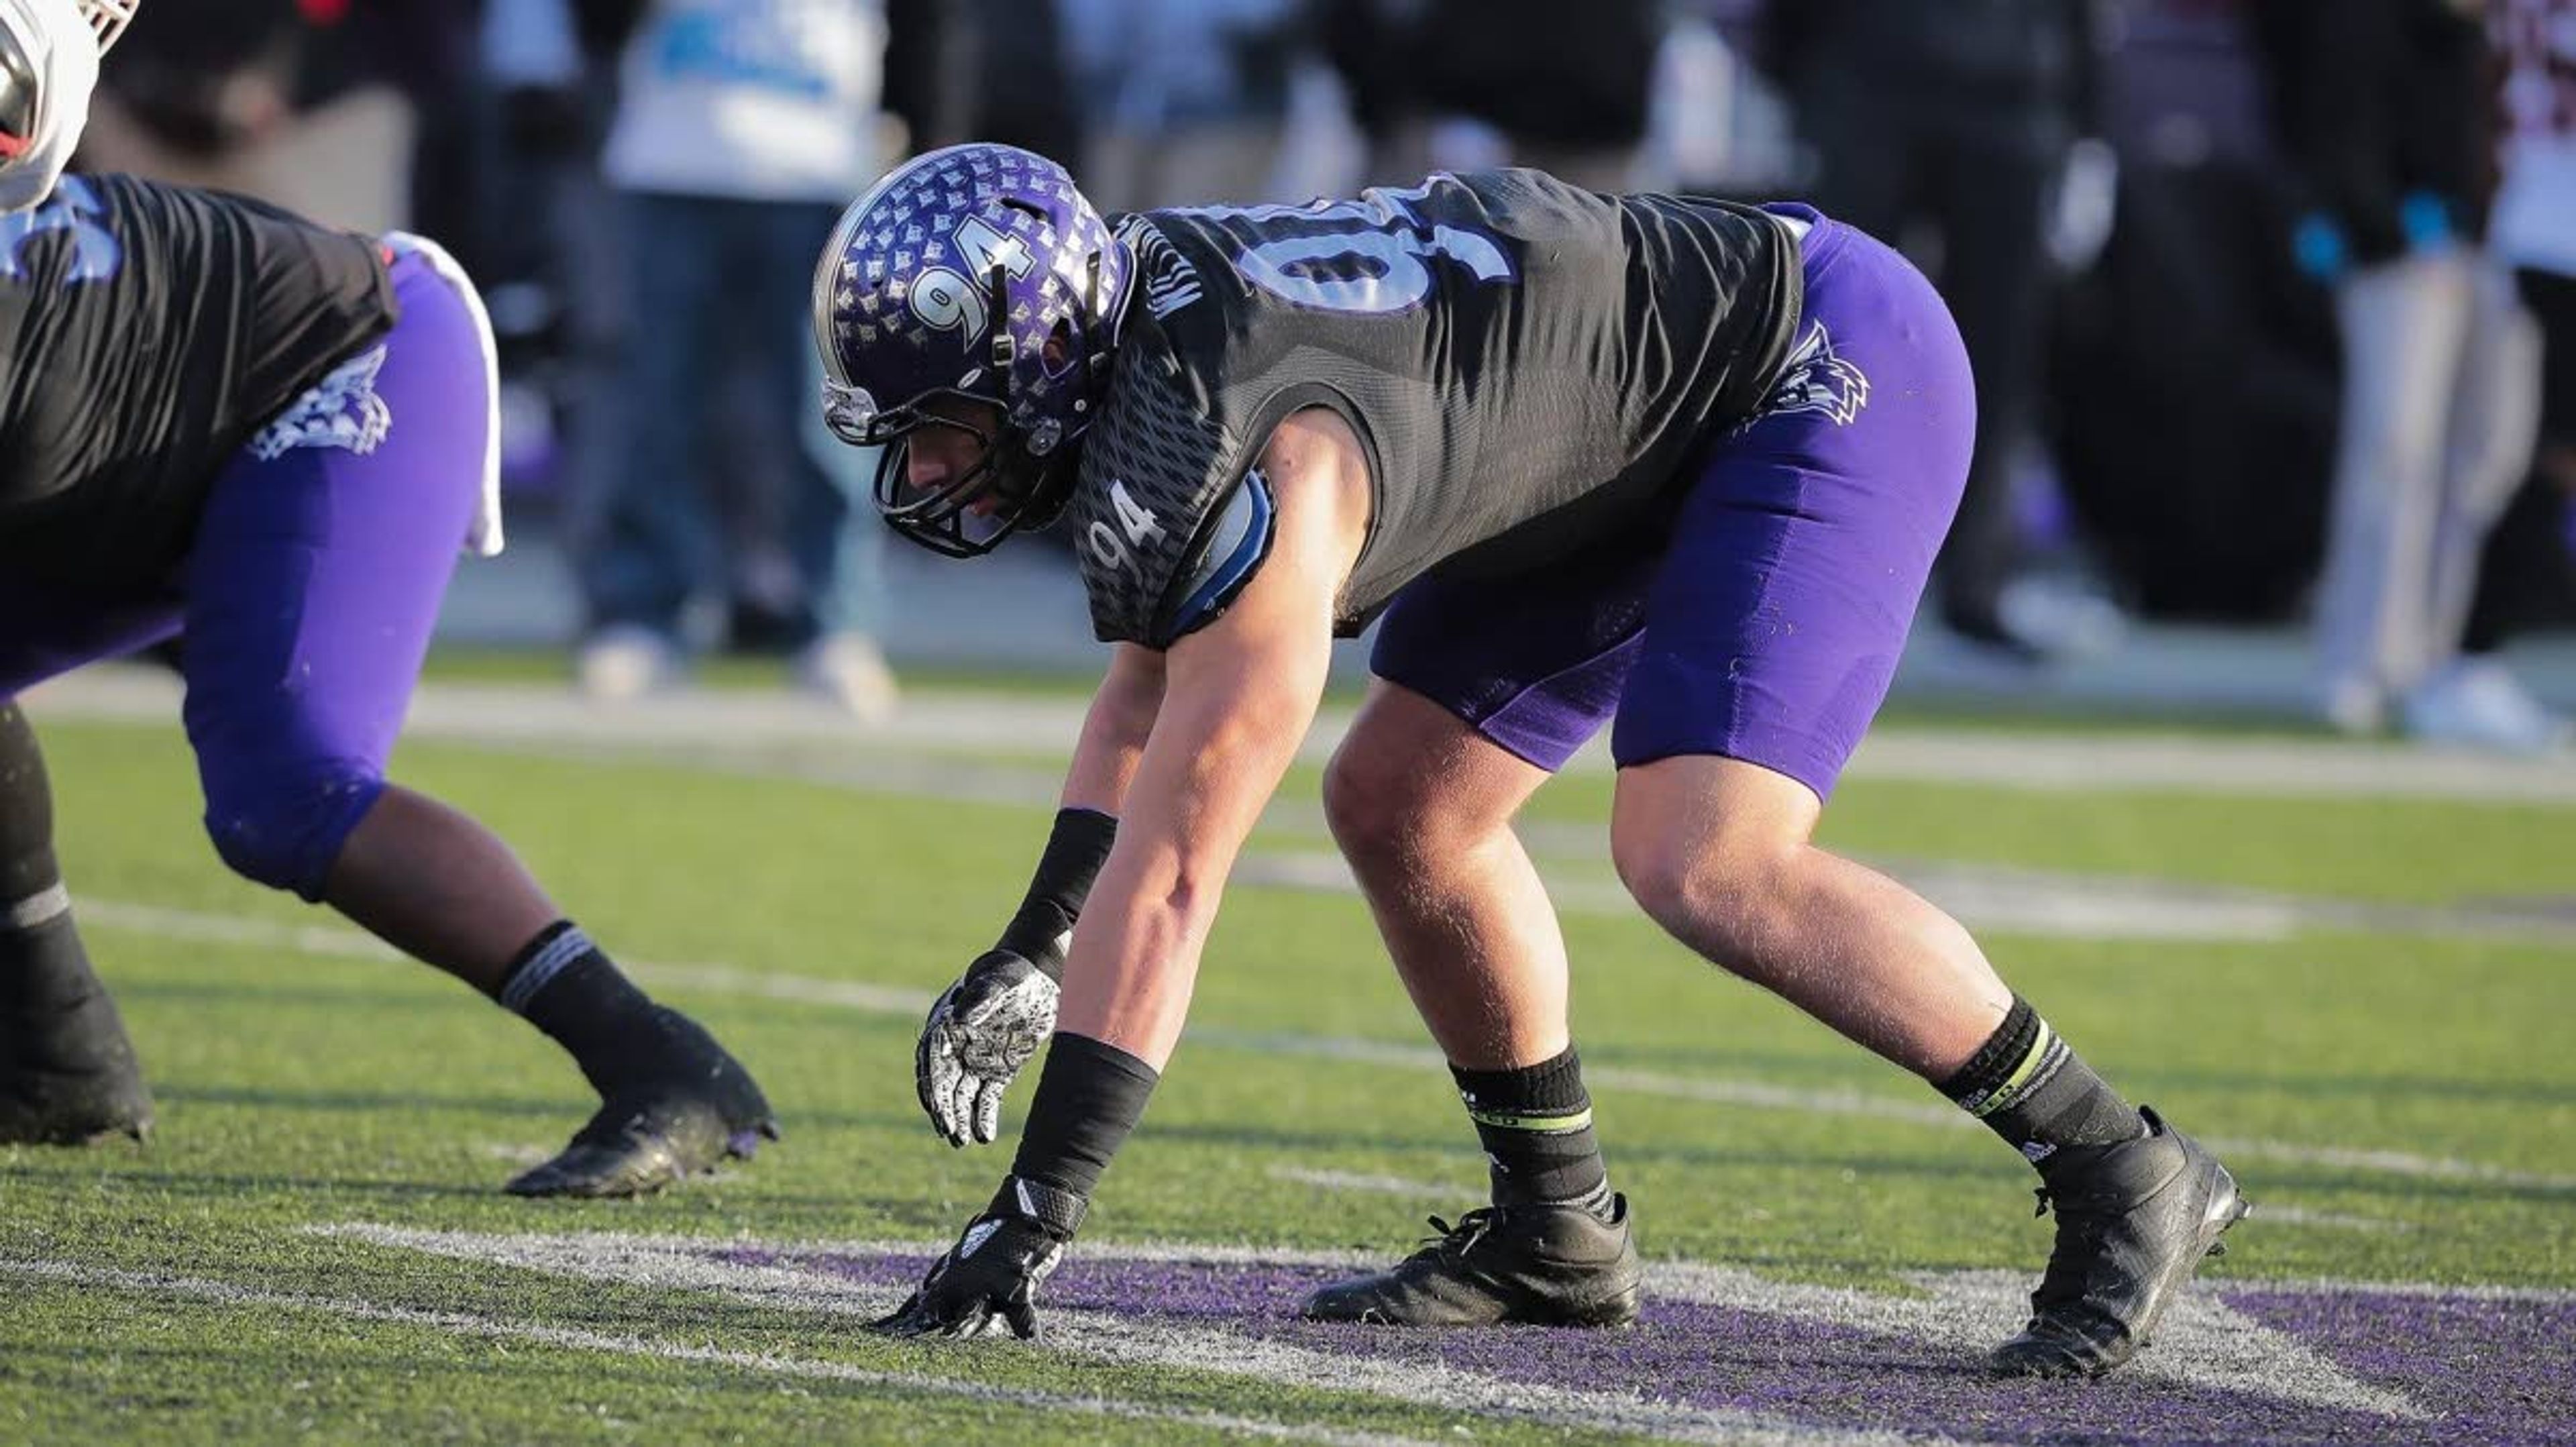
[
  {"x": 984, "y": 1028},
  {"x": 1238, "y": 698}
]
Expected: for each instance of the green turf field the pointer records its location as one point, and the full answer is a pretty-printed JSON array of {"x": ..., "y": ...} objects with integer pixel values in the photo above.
[{"x": 313, "y": 1247}]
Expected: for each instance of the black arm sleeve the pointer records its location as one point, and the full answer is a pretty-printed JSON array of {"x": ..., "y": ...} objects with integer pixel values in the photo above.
[{"x": 1075, "y": 850}]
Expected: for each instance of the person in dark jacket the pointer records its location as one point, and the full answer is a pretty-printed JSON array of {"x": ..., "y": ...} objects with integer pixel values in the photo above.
[
  {"x": 2386, "y": 113},
  {"x": 1961, "y": 117},
  {"x": 1568, "y": 99}
]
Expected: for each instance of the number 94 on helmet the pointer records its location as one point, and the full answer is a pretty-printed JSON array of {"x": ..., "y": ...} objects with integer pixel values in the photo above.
[{"x": 966, "y": 310}]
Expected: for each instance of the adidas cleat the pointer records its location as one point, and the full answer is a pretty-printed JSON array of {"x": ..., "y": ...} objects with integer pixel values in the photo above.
[
  {"x": 1528, "y": 1265},
  {"x": 68, "y": 1074},
  {"x": 694, "y": 1108},
  {"x": 2134, "y": 1220}
]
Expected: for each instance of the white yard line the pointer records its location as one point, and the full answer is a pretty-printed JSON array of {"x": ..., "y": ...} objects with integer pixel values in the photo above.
[
  {"x": 2204, "y": 1342},
  {"x": 2273, "y": 1213},
  {"x": 797, "y": 740},
  {"x": 2208, "y": 1343},
  {"x": 1045, "y": 726},
  {"x": 230, "y": 1294},
  {"x": 679, "y": 1263},
  {"x": 329, "y": 942},
  {"x": 1376, "y": 1185}
]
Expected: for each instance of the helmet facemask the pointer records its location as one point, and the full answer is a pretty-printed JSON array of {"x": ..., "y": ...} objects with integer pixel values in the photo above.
[
  {"x": 108, "y": 19},
  {"x": 970, "y": 512}
]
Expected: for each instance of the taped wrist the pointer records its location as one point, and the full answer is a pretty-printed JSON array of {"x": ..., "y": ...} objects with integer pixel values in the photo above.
[
  {"x": 1058, "y": 1211},
  {"x": 1088, "y": 1099},
  {"x": 1075, "y": 850}
]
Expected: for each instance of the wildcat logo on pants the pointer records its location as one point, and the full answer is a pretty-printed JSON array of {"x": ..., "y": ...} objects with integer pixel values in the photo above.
[
  {"x": 1815, "y": 379},
  {"x": 342, "y": 410}
]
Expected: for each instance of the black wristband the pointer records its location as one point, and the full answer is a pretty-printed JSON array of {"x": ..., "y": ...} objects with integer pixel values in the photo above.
[
  {"x": 1088, "y": 1099},
  {"x": 1059, "y": 1211},
  {"x": 1075, "y": 850}
]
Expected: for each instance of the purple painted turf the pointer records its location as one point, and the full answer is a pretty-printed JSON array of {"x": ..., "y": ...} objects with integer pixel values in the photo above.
[
  {"x": 2493, "y": 1371},
  {"x": 2499, "y": 1371}
]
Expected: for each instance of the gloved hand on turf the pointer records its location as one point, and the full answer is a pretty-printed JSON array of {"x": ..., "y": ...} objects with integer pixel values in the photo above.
[
  {"x": 979, "y": 1034},
  {"x": 992, "y": 1273}
]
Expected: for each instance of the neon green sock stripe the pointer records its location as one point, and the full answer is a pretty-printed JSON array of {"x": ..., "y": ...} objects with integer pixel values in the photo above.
[
  {"x": 1551, "y": 1124},
  {"x": 2011, "y": 1089}
]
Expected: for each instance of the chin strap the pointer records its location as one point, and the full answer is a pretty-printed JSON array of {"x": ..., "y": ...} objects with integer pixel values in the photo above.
[{"x": 997, "y": 301}]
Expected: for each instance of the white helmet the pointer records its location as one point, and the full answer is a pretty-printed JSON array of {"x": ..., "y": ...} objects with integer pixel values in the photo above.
[{"x": 48, "y": 65}]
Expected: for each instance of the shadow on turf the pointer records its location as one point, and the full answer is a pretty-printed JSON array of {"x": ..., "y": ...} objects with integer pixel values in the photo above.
[
  {"x": 1323, "y": 1145},
  {"x": 1809, "y": 1072},
  {"x": 1978, "y": 1165},
  {"x": 568, "y": 1108},
  {"x": 240, "y": 992}
]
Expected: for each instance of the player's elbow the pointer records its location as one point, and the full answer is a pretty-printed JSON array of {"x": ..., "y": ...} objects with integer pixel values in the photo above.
[{"x": 1186, "y": 900}]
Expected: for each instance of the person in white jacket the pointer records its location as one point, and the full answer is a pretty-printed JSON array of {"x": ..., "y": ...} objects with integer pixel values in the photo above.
[{"x": 741, "y": 128}]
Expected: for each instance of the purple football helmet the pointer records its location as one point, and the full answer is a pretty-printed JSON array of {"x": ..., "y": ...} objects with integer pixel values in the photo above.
[{"x": 974, "y": 274}]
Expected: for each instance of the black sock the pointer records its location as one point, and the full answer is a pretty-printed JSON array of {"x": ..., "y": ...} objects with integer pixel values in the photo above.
[
  {"x": 43, "y": 968},
  {"x": 1088, "y": 1100},
  {"x": 564, "y": 986},
  {"x": 1536, "y": 1125},
  {"x": 2032, "y": 1089}
]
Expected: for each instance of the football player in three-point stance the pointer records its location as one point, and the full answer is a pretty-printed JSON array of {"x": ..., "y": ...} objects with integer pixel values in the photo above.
[
  {"x": 220, "y": 422},
  {"x": 1652, "y": 460},
  {"x": 1673, "y": 461}
]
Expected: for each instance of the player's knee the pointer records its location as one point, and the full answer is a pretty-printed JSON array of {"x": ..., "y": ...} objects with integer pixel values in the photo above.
[
  {"x": 1375, "y": 811},
  {"x": 286, "y": 833},
  {"x": 1722, "y": 898}
]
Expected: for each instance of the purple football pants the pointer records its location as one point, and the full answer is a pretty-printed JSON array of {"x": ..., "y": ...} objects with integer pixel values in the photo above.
[
  {"x": 1764, "y": 623},
  {"x": 308, "y": 596}
]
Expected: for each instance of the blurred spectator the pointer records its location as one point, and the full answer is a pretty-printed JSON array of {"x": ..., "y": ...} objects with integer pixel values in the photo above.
[
  {"x": 742, "y": 128},
  {"x": 1966, "y": 120},
  {"x": 2386, "y": 112},
  {"x": 1184, "y": 99},
  {"x": 292, "y": 101},
  {"x": 2196, "y": 282},
  {"x": 1453, "y": 84},
  {"x": 2525, "y": 574},
  {"x": 546, "y": 247},
  {"x": 983, "y": 70}
]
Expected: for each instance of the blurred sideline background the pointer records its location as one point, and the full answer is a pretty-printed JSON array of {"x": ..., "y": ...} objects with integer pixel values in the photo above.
[{"x": 2167, "y": 227}]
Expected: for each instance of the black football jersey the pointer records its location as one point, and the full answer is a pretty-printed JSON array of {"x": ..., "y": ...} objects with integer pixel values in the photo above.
[
  {"x": 146, "y": 332},
  {"x": 1528, "y": 365}
]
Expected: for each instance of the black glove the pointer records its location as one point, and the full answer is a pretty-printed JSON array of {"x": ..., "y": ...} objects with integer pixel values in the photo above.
[
  {"x": 993, "y": 1271},
  {"x": 979, "y": 1034}
]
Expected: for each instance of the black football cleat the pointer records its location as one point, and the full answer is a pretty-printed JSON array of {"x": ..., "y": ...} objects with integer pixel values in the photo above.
[
  {"x": 1525, "y": 1265},
  {"x": 2134, "y": 1220},
  {"x": 687, "y": 1110},
  {"x": 68, "y": 1075}
]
